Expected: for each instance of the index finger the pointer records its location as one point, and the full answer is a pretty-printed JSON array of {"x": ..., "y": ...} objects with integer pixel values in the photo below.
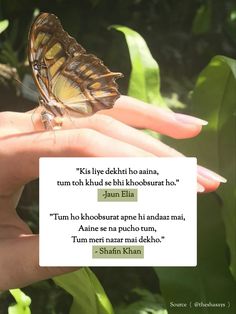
[{"x": 142, "y": 115}]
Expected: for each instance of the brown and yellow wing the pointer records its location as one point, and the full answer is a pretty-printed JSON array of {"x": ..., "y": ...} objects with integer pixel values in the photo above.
[{"x": 64, "y": 71}]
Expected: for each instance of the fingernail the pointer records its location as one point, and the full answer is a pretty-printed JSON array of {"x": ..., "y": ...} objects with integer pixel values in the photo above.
[
  {"x": 200, "y": 188},
  {"x": 189, "y": 119},
  {"x": 211, "y": 175}
]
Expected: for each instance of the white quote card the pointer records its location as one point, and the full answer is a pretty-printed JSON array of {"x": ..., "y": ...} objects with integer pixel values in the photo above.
[{"x": 118, "y": 211}]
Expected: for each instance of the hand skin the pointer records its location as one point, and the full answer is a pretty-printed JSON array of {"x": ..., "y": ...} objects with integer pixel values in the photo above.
[{"x": 109, "y": 133}]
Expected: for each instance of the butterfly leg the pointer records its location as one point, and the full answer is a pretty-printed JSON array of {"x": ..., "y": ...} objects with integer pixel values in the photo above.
[
  {"x": 32, "y": 116},
  {"x": 58, "y": 122},
  {"x": 47, "y": 119},
  {"x": 50, "y": 122}
]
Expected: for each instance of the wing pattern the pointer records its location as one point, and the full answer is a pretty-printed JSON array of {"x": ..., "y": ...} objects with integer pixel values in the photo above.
[{"x": 66, "y": 76}]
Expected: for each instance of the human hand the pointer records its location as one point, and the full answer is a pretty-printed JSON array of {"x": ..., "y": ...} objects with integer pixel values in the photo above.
[{"x": 108, "y": 133}]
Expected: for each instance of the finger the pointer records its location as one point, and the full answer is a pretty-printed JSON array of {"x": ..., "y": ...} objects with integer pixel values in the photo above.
[
  {"x": 122, "y": 132},
  {"x": 12, "y": 122},
  {"x": 142, "y": 115},
  {"x": 118, "y": 130},
  {"x": 209, "y": 185},
  {"x": 20, "y": 154},
  {"x": 137, "y": 114},
  {"x": 211, "y": 180},
  {"x": 18, "y": 122},
  {"x": 28, "y": 269}
]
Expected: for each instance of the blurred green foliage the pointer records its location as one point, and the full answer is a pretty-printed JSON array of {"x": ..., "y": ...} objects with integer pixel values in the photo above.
[
  {"x": 22, "y": 303},
  {"x": 3, "y": 25},
  {"x": 144, "y": 80},
  {"x": 213, "y": 99},
  {"x": 183, "y": 36},
  {"x": 88, "y": 294}
]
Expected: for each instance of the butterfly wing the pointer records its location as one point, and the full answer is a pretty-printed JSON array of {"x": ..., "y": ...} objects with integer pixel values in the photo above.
[{"x": 63, "y": 70}]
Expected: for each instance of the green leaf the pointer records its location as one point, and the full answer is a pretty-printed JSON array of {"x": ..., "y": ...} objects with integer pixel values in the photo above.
[
  {"x": 216, "y": 91},
  {"x": 3, "y": 25},
  {"x": 213, "y": 99},
  {"x": 202, "y": 19},
  {"x": 210, "y": 280},
  {"x": 144, "y": 82},
  {"x": 88, "y": 295},
  {"x": 22, "y": 303}
]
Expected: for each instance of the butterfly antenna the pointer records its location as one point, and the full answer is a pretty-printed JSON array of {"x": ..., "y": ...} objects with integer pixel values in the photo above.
[
  {"x": 32, "y": 92},
  {"x": 26, "y": 87}
]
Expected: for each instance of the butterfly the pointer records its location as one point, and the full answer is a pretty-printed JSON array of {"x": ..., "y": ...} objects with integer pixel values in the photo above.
[{"x": 67, "y": 77}]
